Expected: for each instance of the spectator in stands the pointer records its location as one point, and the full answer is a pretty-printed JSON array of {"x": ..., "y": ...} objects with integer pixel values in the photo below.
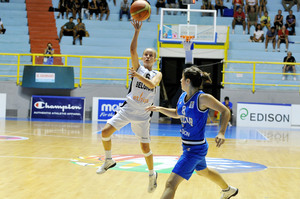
[
  {"x": 104, "y": 9},
  {"x": 68, "y": 29},
  {"x": 206, "y": 5},
  {"x": 172, "y": 4},
  {"x": 160, "y": 4},
  {"x": 124, "y": 9},
  {"x": 93, "y": 7},
  {"x": 239, "y": 19},
  {"x": 2, "y": 29},
  {"x": 251, "y": 19},
  {"x": 283, "y": 34},
  {"x": 228, "y": 104},
  {"x": 85, "y": 9},
  {"x": 278, "y": 21},
  {"x": 251, "y": 3},
  {"x": 70, "y": 7},
  {"x": 48, "y": 59},
  {"x": 289, "y": 68},
  {"x": 262, "y": 7},
  {"x": 80, "y": 31},
  {"x": 220, "y": 6},
  {"x": 77, "y": 8},
  {"x": 291, "y": 23},
  {"x": 265, "y": 21},
  {"x": 62, "y": 8},
  {"x": 258, "y": 35},
  {"x": 285, "y": 2},
  {"x": 237, "y": 4},
  {"x": 298, "y": 5},
  {"x": 271, "y": 36}
]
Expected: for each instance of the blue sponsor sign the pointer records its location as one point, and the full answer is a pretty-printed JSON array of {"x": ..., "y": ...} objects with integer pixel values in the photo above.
[
  {"x": 57, "y": 107},
  {"x": 106, "y": 107}
]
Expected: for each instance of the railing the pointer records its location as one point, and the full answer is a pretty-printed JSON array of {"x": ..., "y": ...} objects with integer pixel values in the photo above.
[
  {"x": 79, "y": 64},
  {"x": 254, "y": 74}
]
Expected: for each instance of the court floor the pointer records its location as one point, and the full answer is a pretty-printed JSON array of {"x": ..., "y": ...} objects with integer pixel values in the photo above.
[{"x": 58, "y": 159}]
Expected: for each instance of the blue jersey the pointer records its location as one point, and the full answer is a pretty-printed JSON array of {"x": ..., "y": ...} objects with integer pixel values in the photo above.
[{"x": 193, "y": 120}]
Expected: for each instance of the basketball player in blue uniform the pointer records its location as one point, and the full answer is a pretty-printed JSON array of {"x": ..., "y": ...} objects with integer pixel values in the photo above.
[
  {"x": 192, "y": 109},
  {"x": 141, "y": 95}
]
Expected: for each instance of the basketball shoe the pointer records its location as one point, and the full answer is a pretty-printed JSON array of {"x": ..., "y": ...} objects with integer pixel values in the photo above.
[
  {"x": 109, "y": 163},
  {"x": 229, "y": 193},
  {"x": 152, "y": 182}
]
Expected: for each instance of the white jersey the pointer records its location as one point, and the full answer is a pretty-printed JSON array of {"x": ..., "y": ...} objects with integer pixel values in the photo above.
[
  {"x": 252, "y": 2},
  {"x": 139, "y": 95}
]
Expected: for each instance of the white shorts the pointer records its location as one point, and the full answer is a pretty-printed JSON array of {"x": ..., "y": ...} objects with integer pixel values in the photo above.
[{"x": 140, "y": 122}]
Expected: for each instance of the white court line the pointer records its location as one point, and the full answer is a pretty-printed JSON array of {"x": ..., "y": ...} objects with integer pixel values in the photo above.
[
  {"x": 261, "y": 134},
  {"x": 296, "y": 168}
]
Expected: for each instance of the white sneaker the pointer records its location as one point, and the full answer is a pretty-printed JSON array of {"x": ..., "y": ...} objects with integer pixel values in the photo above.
[
  {"x": 109, "y": 163},
  {"x": 286, "y": 50},
  {"x": 266, "y": 50},
  {"x": 278, "y": 49},
  {"x": 152, "y": 182},
  {"x": 244, "y": 32},
  {"x": 229, "y": 124},
  {"x": 295, "y": 79},
  {"x": 231, "y": 192},
  {"x": 250, "y": 40},
  {"x": 273, "y": 50},
  {"x": 232, "y": 31},
  {"x": 283, "y": 78}
]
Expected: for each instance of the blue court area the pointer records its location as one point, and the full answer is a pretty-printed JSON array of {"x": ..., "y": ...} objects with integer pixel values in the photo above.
[{"x": 173, "y": 130}]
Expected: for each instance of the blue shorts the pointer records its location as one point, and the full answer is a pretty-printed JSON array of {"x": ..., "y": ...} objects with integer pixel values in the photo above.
[{"x": 193, "y": 158}]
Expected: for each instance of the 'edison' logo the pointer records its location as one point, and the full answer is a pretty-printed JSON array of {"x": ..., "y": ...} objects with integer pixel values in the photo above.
[{"x": 243, "y": 113}]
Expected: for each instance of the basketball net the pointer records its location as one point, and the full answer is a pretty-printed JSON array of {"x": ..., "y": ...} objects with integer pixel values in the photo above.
[{"x": 188, "y": 46}]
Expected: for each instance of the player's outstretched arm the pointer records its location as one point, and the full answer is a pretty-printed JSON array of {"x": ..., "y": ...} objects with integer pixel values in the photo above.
[
  {"x": 208, "y": 101},
  {"x": 170, "y": 112},
  {"x": 133, "y": 47}
]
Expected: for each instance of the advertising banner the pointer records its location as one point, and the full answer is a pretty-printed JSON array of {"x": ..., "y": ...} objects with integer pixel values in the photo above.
[
  {"x": 104, "y": 108},
  {"x": 263, "y": 115},
  {"x": 57, "y": 107}
]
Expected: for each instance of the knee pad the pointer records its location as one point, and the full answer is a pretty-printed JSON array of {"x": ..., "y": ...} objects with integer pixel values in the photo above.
[
  {"x": 148, "y": 154},
  {"x": 106, "y": 139}
]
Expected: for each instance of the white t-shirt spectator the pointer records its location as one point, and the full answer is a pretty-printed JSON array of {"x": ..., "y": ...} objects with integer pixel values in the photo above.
[{"x": 258, "y": 33}]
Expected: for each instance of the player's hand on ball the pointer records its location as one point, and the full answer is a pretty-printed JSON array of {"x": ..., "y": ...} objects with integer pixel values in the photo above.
[
  {"x": 136, "y": 24},
  {"x": 220, "y": 139}
]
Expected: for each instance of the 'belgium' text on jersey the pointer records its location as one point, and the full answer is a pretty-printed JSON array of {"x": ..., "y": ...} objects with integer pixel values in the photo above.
[
  {"x": 139, "y": 95},
  {"x": 193, "y": 120}
]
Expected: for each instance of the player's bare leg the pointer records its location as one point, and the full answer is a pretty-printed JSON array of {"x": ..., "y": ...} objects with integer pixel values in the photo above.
[
  {"x": 107, "y": 131},
  {"x": 171, "y": 185},
  {"x": 149, "y": 161}
]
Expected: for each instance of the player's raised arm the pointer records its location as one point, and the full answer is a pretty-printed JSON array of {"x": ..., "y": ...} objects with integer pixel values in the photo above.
[{"x": 133, "y": 47}]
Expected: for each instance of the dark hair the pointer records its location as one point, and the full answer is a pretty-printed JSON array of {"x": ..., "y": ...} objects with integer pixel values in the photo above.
[
  {"x": 71, "y": 18},
  {"x": 273, "y": 27},
  {"x": 80, "y": 19},
  {"x": 196, "y": 76},
  {"x": 226, "y": 98},
  {"x": 256, "y": 28}
]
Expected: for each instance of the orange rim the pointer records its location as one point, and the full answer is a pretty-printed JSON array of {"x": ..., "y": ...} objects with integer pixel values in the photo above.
[{"x": 187, "y": 37}]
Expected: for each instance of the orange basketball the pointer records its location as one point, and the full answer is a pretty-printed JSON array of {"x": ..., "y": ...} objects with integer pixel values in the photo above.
[{"x": 140, "y": 10}]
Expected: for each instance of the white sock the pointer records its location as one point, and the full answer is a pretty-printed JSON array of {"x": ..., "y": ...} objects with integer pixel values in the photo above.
[
  {"x": 108, "y": 154},
  {"x": 151, "y": 172},
  {"x": 226, "y": 189}
]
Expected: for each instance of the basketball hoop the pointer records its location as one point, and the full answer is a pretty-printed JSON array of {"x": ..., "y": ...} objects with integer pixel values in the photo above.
[
  {"x": 187, "y": 37},
  {"x": 188, "y": 47}
]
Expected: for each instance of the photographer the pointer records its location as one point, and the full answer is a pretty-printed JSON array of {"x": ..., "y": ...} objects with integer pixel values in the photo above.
[{"x": 48, "y": 60}]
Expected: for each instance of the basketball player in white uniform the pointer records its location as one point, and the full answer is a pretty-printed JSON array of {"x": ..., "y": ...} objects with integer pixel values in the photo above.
[{"x": 141, "y": 95}]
